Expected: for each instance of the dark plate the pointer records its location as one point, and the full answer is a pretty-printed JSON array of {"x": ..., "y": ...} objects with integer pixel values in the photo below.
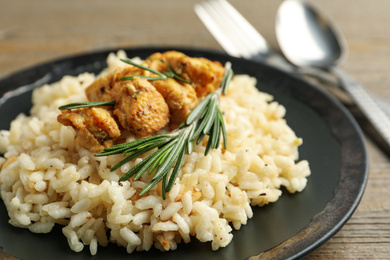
[{"x": 290, "y": 228}]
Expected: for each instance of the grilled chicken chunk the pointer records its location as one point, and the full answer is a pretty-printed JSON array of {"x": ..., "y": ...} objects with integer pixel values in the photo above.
[
  {"x": 140, "y": 108},
  {"x": 180, "y": 97},
  {"x": 205, "y": 75},
  {"x": 95, "y": 127},
  {"x": 107, "y": 88}
]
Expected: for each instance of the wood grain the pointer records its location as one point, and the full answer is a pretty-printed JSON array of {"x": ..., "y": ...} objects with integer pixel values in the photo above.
[{"x": 33, "y": 32}]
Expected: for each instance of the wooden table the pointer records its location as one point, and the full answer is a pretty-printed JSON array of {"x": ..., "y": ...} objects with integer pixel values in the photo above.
[{"x": 37, "y": 31}]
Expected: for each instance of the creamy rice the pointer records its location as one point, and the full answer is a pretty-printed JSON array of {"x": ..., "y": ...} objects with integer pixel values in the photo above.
[{"x": 46, "y": 179}]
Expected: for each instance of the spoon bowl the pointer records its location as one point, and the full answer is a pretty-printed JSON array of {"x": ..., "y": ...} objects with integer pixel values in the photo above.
[{"x": 306, "y": 37}]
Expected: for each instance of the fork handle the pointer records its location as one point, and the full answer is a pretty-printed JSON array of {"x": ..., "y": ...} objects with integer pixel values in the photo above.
[{"x": 378, "y": 119}]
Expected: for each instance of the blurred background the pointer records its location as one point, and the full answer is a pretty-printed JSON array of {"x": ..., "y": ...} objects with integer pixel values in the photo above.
[
  {"x": 41, "y": 30},
  {"x": 33, "y": 32}
]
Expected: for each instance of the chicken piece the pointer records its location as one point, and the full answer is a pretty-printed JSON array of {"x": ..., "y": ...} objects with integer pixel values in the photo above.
[
  {"x": 205, "y": 75},
  {"x": 180, "y": 97},
  {"x": 95, "y": 127},
  {"x": 140, "y": 108},
  {"x": 107, "y": 88}
]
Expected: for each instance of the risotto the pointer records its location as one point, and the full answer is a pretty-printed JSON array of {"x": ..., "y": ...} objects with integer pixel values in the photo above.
[{"x": 46, "y": 179}]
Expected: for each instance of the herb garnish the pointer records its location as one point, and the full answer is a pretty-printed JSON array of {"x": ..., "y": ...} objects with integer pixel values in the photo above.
[
  {"x": 87, "y": 104},
  {"x": 161, "y": 75},
  {"x": 205, "y": 119}
]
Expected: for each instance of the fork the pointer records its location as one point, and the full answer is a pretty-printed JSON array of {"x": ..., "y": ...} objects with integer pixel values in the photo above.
[
  {"x": 229, "y": 27},
  {"x": 240, "y": 39},
  {"x": 236, "y": 35}
]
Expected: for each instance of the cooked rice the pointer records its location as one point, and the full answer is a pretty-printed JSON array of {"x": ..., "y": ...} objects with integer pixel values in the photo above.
[{"x": 46, "y": 179}]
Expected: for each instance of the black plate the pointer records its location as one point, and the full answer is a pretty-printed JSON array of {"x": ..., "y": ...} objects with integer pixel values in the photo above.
[{"x": 290, "y": 228}]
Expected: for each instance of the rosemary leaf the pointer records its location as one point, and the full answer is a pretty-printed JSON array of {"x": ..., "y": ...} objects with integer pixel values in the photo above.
[
  {"x": 147, "y": 146},
  {"x": 112, "y": 152},
  {"x": 216, "y": 130},
  {"x": 223, "y": 128},
  {"x": 137, "y": 143},
  {"x": 150, "y": 185},
  {"x": 135, "y": 154},
  {"x": 176, "y": 170},
  {"x": 87, "y": 104},
  {"x": 211, "y": 114},
  {"x": 200, "y": 137},
  {"x": 133, "y": 171},
  {"x": 142, "y": 77},
  {"x": 155, "y": 157},
  {"x": 198, "y": 110},
  {"x": 162, "y": 75},
  {"x": 128, "y": 159},
  {"x": 204, "y": 120},
  {"x": 144, "y": 68},
  {"x": 158, "y": 160},
  {"x": 172, "y": 157},
  {"x": 208, "y": 147},
  {"x": 211, "y": 143},
  {"x": 189, "y": 142},
  {"x": 164, "y": 186},
  {"x": 175, "y": 76},
  {"x": 148, "y": 162},
  {"x": 161, "y": 158},
  {"x": 172, "y": 74},
  {"x": 226, "y": 81}
]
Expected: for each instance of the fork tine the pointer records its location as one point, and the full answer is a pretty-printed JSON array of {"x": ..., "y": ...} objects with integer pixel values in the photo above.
[
  {"x": 230, "y": 28},
  {"x": 225, "y": 28},
  {"x": 259, "y": 43},
  {"x": 216, "y": 30}
]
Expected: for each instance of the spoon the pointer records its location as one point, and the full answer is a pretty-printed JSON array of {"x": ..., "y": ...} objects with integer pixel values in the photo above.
[{"x": 309, "y": 40}]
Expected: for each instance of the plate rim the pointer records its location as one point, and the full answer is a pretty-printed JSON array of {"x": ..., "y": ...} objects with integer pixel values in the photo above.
[{"x": 291, "y": 248}]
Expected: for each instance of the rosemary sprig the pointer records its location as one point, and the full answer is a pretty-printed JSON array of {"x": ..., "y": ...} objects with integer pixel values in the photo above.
[
  {"x": 161, "y": 75},
  {"x": 205, "y": 119}
]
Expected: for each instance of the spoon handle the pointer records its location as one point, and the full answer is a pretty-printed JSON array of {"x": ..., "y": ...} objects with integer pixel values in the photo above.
[{"x": 378, "y": 119}]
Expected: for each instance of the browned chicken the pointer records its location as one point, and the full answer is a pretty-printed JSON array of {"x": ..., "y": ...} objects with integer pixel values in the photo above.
[
  {"x": 140, "y": 108},
  {"x": 205, "y": 75},
  {"x": 107, "y": 88},
  {"x": 144, "y": 107},
  {"x": 95, "y": 127},
  {"x": 180, "y": 97}
]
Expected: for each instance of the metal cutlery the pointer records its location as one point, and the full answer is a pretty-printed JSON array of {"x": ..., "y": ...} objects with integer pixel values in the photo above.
[{"x": 240, "y": 39}]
